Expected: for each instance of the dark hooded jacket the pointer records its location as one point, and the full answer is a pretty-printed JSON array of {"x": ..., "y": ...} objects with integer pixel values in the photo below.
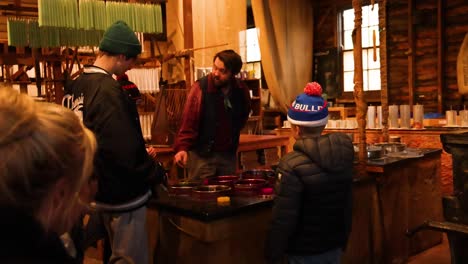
[
  {"x": 123, "y": 168},
  {"x": 312, "y": 206}
]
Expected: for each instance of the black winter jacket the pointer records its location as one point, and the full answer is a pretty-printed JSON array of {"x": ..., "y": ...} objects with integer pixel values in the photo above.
[
  {"x": 24, "y": 241},
  {"x": 312, "y": 207},
  {"x": 124, "y": 169}
]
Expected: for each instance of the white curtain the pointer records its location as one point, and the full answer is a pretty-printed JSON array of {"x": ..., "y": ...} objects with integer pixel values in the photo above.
[{"x": 286, "y": 46}]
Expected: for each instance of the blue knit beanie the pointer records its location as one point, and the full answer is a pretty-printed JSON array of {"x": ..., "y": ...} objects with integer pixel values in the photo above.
[{"x": 309, "y": 109}]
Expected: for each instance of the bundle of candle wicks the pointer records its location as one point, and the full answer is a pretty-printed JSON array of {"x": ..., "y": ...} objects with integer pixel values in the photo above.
[
  {"x": 80, "y": 23},
  {"x": 98, "y": 15}
]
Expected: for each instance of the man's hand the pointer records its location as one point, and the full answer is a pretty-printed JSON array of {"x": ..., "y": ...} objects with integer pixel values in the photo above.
[
  {"x": 151, "y": 151},
  {"x": 180, "y": 158}
]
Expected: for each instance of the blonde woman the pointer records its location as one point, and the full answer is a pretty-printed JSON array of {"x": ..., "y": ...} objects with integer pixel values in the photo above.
[{"x": 46, "y": 160}]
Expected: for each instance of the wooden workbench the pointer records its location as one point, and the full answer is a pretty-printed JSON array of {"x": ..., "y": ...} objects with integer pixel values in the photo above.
[
  {"x": 246, "y": 143},
  {"x": 428, "y": 137},
  {"x": 397, "y": 194},
  {"x": 192, "y": 231}
]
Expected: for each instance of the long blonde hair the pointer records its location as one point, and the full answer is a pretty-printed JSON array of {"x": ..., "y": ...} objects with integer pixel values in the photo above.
[{"x": 41, "y": 143}]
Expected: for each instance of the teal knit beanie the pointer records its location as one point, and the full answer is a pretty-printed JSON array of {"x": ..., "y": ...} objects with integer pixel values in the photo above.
[{"x": 119, "y": 38}]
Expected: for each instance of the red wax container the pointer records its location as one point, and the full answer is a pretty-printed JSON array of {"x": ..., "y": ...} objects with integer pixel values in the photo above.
[
  {"x": 210, "y": 192},
  {"x": 267, "y": 191},
  {"x": 228, "y": 180},
  {"x": 249, "y": 187},
  {"x": 183, "y": 188},
  {"x": 266, "y": 174}
]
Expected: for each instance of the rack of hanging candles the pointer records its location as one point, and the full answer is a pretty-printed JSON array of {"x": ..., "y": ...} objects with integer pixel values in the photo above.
[{"x": 80, "y": 23}]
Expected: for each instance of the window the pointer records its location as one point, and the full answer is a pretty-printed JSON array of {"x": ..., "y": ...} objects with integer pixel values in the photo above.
[
  {"x": 249, "y": 47},
  {"x": 370, "y": 56},
  {"x": 250, "y": 51}
]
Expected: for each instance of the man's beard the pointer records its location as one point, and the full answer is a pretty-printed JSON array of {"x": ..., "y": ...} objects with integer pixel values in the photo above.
[{"x": 219, "y": 83}]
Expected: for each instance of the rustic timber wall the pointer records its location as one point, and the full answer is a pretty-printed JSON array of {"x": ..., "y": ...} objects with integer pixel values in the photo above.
[
  {"x": 425, "y": 74},
  {"x": 456, "y": 26}
]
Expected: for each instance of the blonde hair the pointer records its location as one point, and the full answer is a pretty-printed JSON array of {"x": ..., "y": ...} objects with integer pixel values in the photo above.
[{"x": 40, "y": 143}]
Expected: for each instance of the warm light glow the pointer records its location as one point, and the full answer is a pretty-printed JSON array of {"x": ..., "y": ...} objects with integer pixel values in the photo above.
[{"x": 248, "y": 45}]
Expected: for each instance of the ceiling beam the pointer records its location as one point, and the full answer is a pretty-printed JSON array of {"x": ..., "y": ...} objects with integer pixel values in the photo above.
[{"x": 18, "y": 8}]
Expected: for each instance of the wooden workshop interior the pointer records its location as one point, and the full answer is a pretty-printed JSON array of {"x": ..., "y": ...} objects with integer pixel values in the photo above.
[{"x": 411, "y": 88}]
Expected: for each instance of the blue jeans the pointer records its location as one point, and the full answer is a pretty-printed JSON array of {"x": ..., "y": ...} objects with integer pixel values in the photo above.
[
  {"x": 128, "y": 236},
  {"x": 330, "y": 257}
]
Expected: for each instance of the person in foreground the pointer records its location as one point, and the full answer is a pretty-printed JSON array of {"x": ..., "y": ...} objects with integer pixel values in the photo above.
[
  {"x": 216, "y": 110},
  {"x": 45, "y": 169},
  {"x": 312, "y": 210},
  {"x": 125, "y": 171}
]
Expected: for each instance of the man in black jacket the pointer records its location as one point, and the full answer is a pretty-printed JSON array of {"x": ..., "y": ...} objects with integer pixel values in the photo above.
[
  {"x": 125, "y": 171},
  {"x": 312, "y": 207}
]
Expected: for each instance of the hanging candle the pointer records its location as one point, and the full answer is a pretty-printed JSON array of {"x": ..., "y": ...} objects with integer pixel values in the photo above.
[
  {"x": 158, "y": 19},
  {"x": 374, "y": 45}
]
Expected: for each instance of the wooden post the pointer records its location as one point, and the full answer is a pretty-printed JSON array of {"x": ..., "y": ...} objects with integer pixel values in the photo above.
[
  {"x": 360, "y": 100},
  {"x": 411, "y": 53},
  {"x": 7, "y": 71},
  {"x": 383, "y": 67},
  {"x": 58, "y": 81},
  {"x": 48, "y": 81},
  {"x": 188, "y": 40},
  {"x": 37, "y": 70},
  {"x": 440, "y": 54}
]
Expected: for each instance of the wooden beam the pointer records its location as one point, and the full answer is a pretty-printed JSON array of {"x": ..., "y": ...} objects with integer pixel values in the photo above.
[
  {"x": 13, "y": 59},
  {"x": 16, "y": 75},
  {"x": 383, "y": 68},
  {"x": 411, "y": 54},
  {"x": 37, "y": 70},
  {"x": 359, "y": 98},
  {"x": 322, "y": 20},
  {"x": 18, "y": 8},
  {"x": 188, "y": 39},
  {"x": 59, "y": 79},
  {"x": 440, "y": 53}
]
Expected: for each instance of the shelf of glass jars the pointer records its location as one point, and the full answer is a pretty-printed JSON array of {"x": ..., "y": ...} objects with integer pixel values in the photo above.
[
  {"x": 342, "y": 112},
  {"x": 255, "y": 120}
]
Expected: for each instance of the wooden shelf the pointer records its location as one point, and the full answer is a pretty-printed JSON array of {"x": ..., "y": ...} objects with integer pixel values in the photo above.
[
  {"x": 344, "y": 112},
  {"x": 255, "y": 120}
]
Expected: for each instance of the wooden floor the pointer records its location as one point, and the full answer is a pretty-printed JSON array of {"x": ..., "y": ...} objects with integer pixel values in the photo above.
[
  {"x": 93, "y": 256},
  {"x": 92, "y": 261},
  {"x": 439, "y": 254}
]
